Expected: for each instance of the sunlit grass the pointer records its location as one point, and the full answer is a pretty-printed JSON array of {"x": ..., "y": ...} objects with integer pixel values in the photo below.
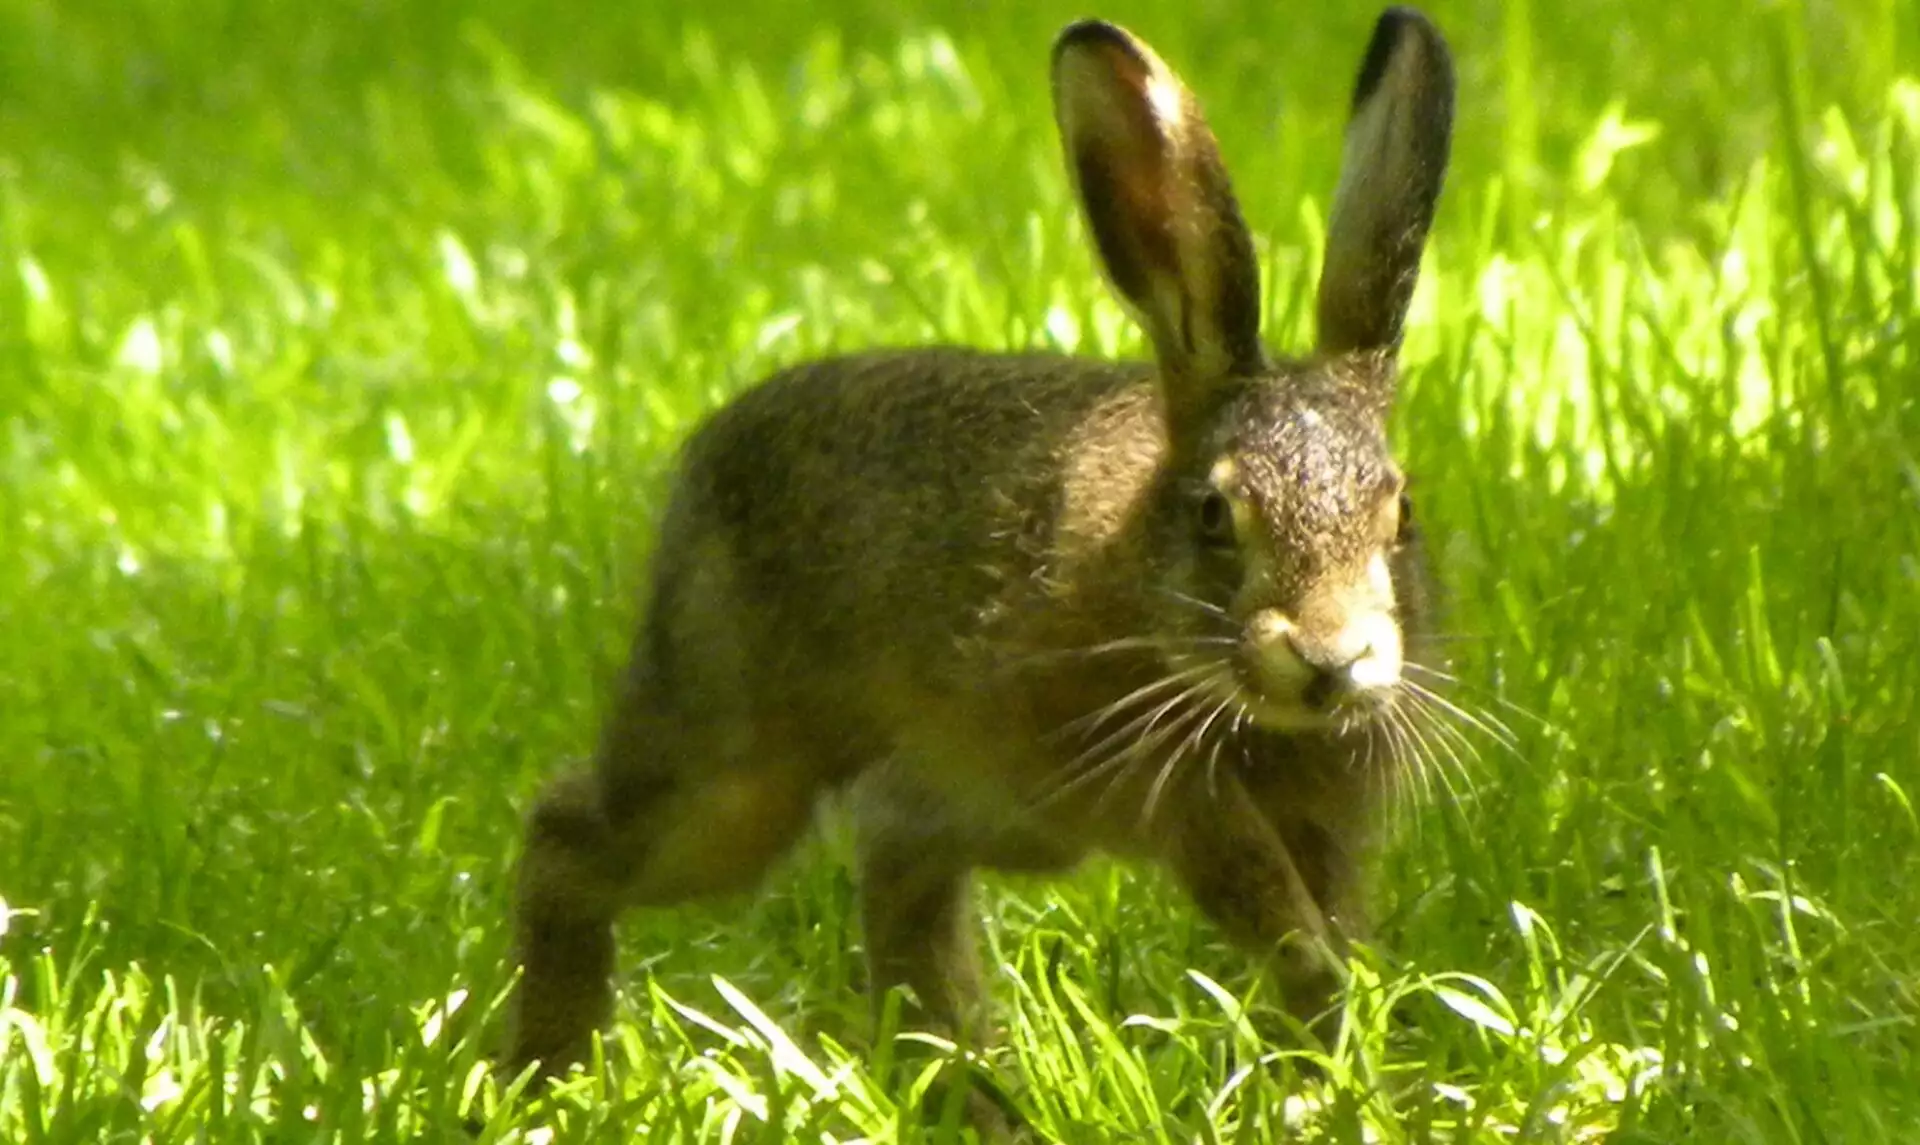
[{"x": 339, "y": 364}]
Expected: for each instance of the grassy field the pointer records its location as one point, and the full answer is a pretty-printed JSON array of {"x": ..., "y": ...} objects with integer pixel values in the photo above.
[{"x": 341, "y": 351}]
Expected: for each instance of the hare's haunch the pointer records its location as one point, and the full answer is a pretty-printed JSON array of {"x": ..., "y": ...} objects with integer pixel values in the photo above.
[{"x": 1030, "y": 606}]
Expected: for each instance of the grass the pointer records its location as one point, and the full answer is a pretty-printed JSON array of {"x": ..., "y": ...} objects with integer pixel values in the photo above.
[{"x": 340, "y": 357}]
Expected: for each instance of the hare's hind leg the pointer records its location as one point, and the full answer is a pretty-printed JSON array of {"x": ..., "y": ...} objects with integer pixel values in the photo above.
[
  {"x": 671, "y": 813},
  {"x": 698, "y": 786},
  {"x": 568, "y": 892}
]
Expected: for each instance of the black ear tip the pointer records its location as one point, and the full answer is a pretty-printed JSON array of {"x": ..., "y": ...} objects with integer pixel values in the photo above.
[
  {"x": 1396, "y": 28},
  {"x": 1082, "y": 34},
  {"x": 1398, "y": 22}
]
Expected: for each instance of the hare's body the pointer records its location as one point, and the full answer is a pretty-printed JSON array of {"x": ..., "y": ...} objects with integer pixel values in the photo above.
[
  {"x": 962, "y": 605},
  {"x": 1028, "y": 607}
]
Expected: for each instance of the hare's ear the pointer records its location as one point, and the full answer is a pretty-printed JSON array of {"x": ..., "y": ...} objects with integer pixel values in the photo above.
[
  {"x": 1158, "y": 203},
  {"x": 1396, "y": 158}
]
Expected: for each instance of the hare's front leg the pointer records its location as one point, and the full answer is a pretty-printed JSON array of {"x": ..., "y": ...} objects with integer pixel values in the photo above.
[
  {"x": 916, "y": 898},
  {"x": 916, "y": 864},
  {"x": 1243, "y": 875},
  {"x": 915, "y": 902}
]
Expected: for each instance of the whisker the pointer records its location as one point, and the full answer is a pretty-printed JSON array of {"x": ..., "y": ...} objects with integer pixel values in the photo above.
[
  {"x": 1193, "y": 738},
  {"x": 1453, "y": 681},
  {"x": 1213, "y": 767},
  {"x": 1172, "y": 762},
  {"x": 1436, "y": 733},
  {"x": 1114, "y": 749},
  {"x": 1410, "y": 762},
  {"x": 1090, "y": 723},
  {"x": 1433, "y": 771},
  {"x": 1070, "y": 781},
  {"x": 1403, "y": 772},
  {"x": 1206, "y": 606},
  {"x": 1151, "y": 741},
  {"x": 1242, "y": 716},
  {"x": 1161, "y": 644},
  {"x": 1486, "y": 723},
  {"x": 1142, "y": 725},
  {"x": 1445, "y": 730},
  {"x": 1419, "y": 759}
]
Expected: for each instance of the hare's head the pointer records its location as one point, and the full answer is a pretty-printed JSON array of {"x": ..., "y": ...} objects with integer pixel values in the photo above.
[{"x": 1280, "y": 520}]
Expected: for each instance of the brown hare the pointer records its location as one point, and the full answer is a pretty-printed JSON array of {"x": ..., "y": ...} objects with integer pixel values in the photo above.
[{"x": 1025, "y": 607}]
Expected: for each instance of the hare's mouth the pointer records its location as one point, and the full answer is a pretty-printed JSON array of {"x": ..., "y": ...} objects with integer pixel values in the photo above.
[
  {"x": 1325, "y": 704},
  {"x": 1291, "y": 683},
  {"x": 1320, "y": 702}
]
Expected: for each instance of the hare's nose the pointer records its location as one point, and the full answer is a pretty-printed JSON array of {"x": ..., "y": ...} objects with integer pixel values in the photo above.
[
  {"x": 1327, "y": 657},
  {"x": 1316, "y": 660},
  {"x": 1331, "y": 667}
]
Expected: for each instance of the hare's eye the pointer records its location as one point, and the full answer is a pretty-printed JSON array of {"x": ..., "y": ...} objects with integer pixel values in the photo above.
[
  {"x": 1403, "y": 532},
  {"x": 1216, "y": 519}
]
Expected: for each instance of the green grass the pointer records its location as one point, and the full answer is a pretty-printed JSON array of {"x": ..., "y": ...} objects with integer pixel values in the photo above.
[{"x": 341, "y": 352}]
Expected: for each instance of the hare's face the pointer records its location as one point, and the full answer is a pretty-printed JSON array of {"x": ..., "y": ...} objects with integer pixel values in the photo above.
[
  {"x": 1296, "y": 514},
  {"x": 1281, "y": 516}
]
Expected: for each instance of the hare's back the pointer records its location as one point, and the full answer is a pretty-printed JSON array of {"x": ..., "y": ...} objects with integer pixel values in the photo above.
[{"x": 885, "y": 500}]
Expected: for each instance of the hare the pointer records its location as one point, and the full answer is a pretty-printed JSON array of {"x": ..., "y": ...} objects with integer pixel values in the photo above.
[{"x": 1025, "y": 607}]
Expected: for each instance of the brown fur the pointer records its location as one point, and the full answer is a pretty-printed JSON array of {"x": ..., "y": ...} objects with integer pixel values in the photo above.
[{"x": 959, "y": 582}]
